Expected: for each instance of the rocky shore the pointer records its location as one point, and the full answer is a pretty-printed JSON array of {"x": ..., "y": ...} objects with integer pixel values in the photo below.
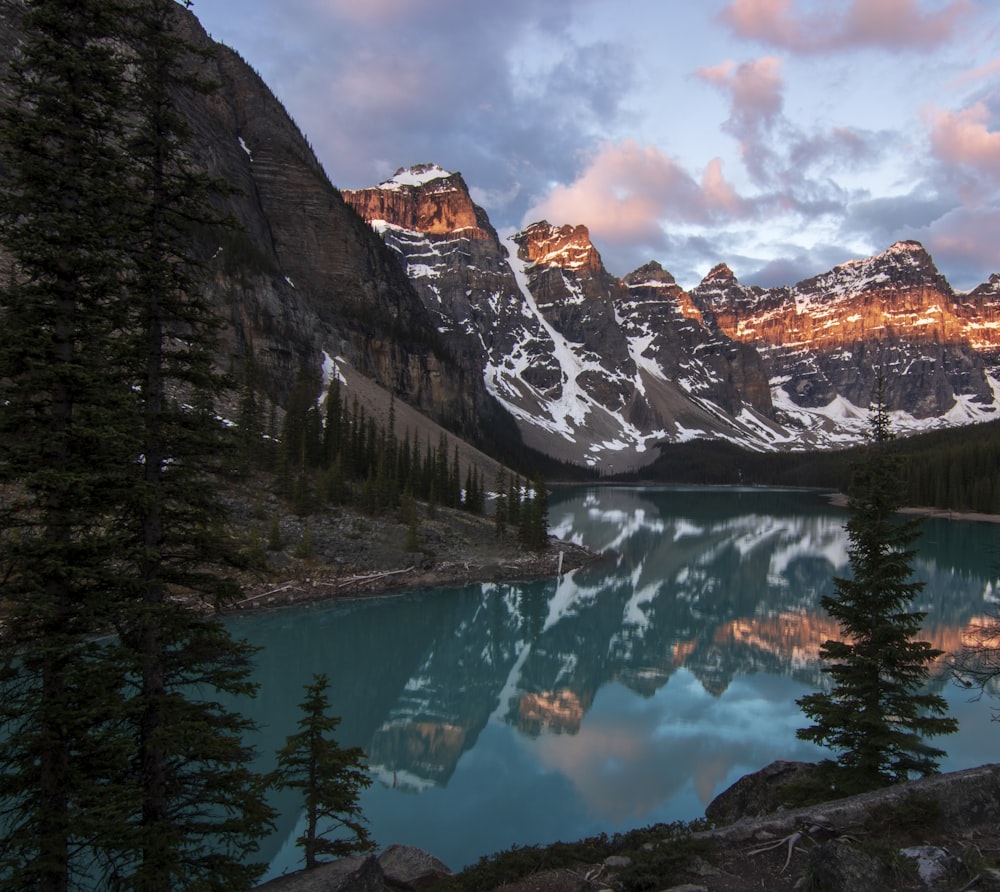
[
  {"x": 936, "y": 834},
  {"x": 339, "y": 553},
  {"x": 940, "y": 833}
]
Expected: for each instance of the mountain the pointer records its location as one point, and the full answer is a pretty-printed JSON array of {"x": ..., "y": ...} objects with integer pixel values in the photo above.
[
  {"x": 300, "y": 281},
  {"x": 823, "y": 339},
  {"x": 526, "y": 337},
  {"x": 594, "y": 369},
  {"x": 598, "y": 370}
]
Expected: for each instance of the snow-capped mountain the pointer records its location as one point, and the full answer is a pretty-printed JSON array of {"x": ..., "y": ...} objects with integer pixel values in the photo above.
[
  {"x": 410, "y": 287},
  {"x": 598, "y": 370}
]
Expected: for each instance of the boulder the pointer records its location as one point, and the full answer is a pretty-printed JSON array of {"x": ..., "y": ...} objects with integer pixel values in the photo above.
[
  {"x": 407, "y": 867},
  {"x": 936, "y": 868},
  {"x": 361, "y": 873},
  {"x": 964, "y": 801},
  {"x": 398, "y": 867},
  {"x": 839, "y": 865},
  {"x": 754, "y": 795}
]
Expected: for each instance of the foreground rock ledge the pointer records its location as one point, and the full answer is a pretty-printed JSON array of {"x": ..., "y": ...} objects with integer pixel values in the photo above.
[
  {"x": 398, "y": 867},
  {"x": 967, "y": 799}
]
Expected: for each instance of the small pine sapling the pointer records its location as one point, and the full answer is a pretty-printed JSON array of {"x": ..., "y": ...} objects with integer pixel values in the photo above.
[{"x": 330, "y": 777}]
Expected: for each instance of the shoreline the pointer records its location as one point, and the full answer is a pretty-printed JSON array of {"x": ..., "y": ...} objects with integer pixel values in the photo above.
[
  {"x": 319, "y": 587},
  {"x": 840, "y": 500}
]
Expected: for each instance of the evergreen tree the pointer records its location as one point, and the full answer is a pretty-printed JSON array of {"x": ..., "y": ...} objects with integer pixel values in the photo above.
[
  {"x": 514, "y": 496},
  {"x": 200, "y": 809},
  {"x": 455, "y": 482},
  {"x": 330, "y": 777},
  {"x": 113, "y": 770},
  {"x": 538, "y": 538},
  {"x": 877, "y": 713},
  {"x": 63, "y": 443},
  {"x": 333, "y": 427},
  {"x": 250, "y": 423},
  {"x": 301, "y": 441},
  {"x": 500, "y": 504}
]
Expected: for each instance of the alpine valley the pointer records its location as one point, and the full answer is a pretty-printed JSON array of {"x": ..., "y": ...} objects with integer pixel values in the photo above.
[
  {"x": 526, "y": 336},
  {"x": 599, "y": 371}
]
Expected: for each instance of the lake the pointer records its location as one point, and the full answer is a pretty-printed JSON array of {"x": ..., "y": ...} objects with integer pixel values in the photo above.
[{"x": 625, "y": 693}]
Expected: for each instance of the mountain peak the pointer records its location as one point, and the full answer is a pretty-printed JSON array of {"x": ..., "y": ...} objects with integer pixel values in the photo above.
[
  {"x": 905, "y": 264},
  {"x": 423, "y": 198},
  {"x": 650, "y": 274},
  {"x": 719, "y": 274},
  {"x": 415, "y": 176},
  {"x": 906, "y": 246},
  {"x": 567, "y": 247}
]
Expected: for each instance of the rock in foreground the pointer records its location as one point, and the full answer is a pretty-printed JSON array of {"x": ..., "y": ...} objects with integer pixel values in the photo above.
[{"x": 398, "y": 867}]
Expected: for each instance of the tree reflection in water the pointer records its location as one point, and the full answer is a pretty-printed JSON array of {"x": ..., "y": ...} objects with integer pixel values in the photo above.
[{"x": 628, "y": 692}]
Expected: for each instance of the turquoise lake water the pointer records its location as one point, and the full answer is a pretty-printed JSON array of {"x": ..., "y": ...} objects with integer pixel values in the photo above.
[{"x": 623, "y": 694}]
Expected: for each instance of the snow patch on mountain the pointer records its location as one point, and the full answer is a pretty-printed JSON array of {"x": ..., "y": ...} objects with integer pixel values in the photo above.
[
  {"x": 418, "y": 175},
  {"x": 566, "y": 411}
]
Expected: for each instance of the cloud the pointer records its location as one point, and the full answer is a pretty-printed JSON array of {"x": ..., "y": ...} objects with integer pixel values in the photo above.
[
  {"x": 981, "y": 73},
  {"x": 882, "y": 221},
  {"x": 965, "y": 242},
  {"x": 964, "y": 138},
  {"x": 371, "y": 12},
  {"x": 797, "y": 171},
  {"x": 510, "y": 95},
  {"x": 754, "y": 90},
  {"x": 627, "y": 191},
  {"x": 893, "y": 25}
]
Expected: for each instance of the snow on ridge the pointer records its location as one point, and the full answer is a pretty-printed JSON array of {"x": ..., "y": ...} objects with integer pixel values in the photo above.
[
  {"x": 651, "y": 283},
  {"x": 570, "y": 256},
  {"x": 573, "y": 405},
  {"x": 419, "y": 175}
]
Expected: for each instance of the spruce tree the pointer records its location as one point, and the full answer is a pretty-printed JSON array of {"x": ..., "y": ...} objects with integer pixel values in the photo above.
[
  {"x": 62, "y": 449},
  {"x": 330, "y": 777},
  {"x": 538, "y": 520},
  {"x": 500, "y": 503},
  {"x": 200, "y": 809},
  {"x": 877, "y": 714},
  {"x": 114, "y": 770}
]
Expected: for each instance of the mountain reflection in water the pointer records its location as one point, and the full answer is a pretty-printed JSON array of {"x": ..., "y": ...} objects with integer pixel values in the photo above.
[{"x": 625, "y": 693}]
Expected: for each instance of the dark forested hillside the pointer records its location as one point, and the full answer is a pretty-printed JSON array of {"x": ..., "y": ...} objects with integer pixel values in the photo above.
[{"x": 956, "y": 469}]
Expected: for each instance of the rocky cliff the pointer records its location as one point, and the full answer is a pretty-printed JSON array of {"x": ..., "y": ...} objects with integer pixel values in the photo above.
[
  {"x": 825, "y": 338},
  {"x": 409, "y": 284},
  {"x": 595, "y": 370},
  {"x": 599, "y": 370},
  {"x": 300, "y": 279},
  {"x": 303, "y": 277}
]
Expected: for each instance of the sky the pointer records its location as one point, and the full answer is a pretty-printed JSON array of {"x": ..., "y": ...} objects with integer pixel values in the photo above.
[{"x": 781, "y": 137}]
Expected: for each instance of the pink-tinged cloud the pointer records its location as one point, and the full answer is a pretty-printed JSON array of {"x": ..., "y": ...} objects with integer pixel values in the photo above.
[
  {"x": 755, "y": 93},
  {"x": 384, "y": 87},
  {"x": 369, "y": 12},
  {"x": 720, "y": 194},
  {"x": 754, "y": 88},
  {"x": 964, "y": 138},
  {"x": 977, "y": 74},
  {"x": 965, "y": 241},
  {"x": 627, "y": 190},
  {"x": 889, "y": 24}
]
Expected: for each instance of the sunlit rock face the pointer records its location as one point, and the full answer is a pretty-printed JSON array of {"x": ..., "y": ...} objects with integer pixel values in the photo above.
[
  {"x": 599, "y": 370},
  {"x": 560, "y": 247},
  {"x": 591, "y": 367},
  {"x": 828, "y": 338},
  {"x": 423, "y": 198},
  {"x": 559, "y": 711}
]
